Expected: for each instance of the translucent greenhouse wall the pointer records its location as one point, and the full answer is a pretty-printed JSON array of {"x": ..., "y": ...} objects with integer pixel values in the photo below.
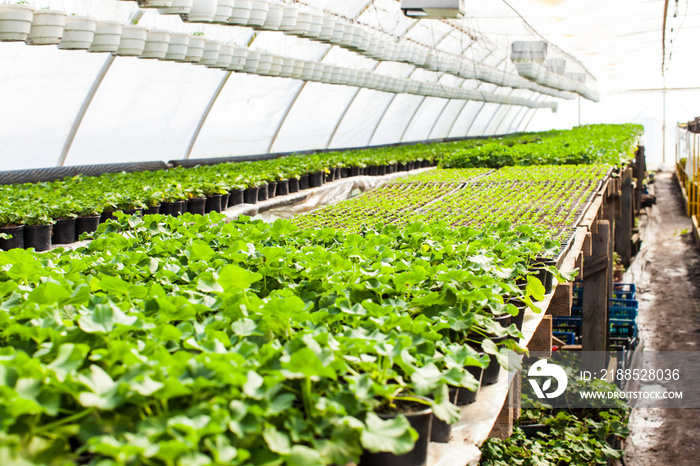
[{"x": 73, "y": 107}]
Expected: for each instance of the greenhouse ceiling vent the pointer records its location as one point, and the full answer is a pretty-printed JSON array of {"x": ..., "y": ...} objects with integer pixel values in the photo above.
[{"x": 434, "y": 9}]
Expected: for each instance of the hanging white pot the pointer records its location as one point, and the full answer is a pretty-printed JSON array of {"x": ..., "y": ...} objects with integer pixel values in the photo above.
[
  {"x": 155, "y": 3},
  {"x": 223, "y": 11},
  {"x": 336, "y": 75},
  {"x": 78, "y": 34},
  {"x": 276, "y": 67},
  {"x": 315, "y": 26},
  {"x": 302, "y": 25},
  {"x": 108, "y": 34},
  {"x": 210, "y": 53},
  {"x": 223, "y": 61},
  {"x": 258, "y": 13},
  {"x": 319, "y": 69},
  {"x": 273, "y": 20},
  {"x": 157, "y": 43},
  {"x": 289, "y": 19},
  {"x": 357, "y": 38},
  {"x": 265, "y": 64},
  {"x": 239, "y": 57},
  {"x": 202, "y": 11},
  {"x": 348, "y": 36},
  {"x": 177, "y": 49},
  {"x": 47, "y": 27},
  {"x": 307, "y": 73},
  {"x": 327, "y": 29},
  {"x": 338, "y": 33},
  {"x": 241, "y": 12},
  {"x": 365, "y": 43},
  {"x": 133, "y": 41},
  {"x": 195, "y": 49},
  {"x": 327, "y": 73},
  {"x": 287, "y": 68},
  {"x": 178, "y": 7},
  {"x": 298, "y": 69},
  {"x": 15, "y": 22},
  {"x": 252, "y": 61}
]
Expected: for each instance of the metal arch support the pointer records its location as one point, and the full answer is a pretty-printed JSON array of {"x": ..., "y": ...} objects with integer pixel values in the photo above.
[
  {"x": 303, "y": 86},
  {"x": 206, "y": 113},
  {"x": 135, "y": 18}
]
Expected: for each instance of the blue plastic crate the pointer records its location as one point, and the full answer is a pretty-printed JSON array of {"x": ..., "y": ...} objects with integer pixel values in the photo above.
[
  {"x": 624, "y": 291},
  {"x": 633, "y": 303},
  {"x": 567, "y": 337},
  {"x": 618, "y": 312},
  {"x": 623, "y": 328},
  {"x": 573, "y": 320}
]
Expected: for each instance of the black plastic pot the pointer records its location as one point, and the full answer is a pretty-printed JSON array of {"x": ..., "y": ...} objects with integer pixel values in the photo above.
[
  {"x": 304, "y": 182},
  {"x": 372, "y": 170},
  {"x": 381, "y": 170},
  {"x": 271, "y": 189},
  {"x": 316, "y": 179},
  {"x": 518, "y": 319},
  {"x": 545, "y": 276},
  {"x": 441, "y": 430},
  {"x": 152, "y": 210},
  {"x": 533, "y": 430},
  {"x": 173, "y": 208},
  {"x": 283, "y": 188},
  {"x": 336, "y": 173},
  {"x": 421, "y": 422},
  {"x": 236, "y": 197},
  {"x": 466, "y": 396},
  {"x": 138, "y": 212},
  {"x": 106, "y": 215},
  {"x": 293, "y": 185},
  {"x": 224, "y": 201},
  {"x": 330, "y": 176},
  {"x": 213, "y": 203},
  {"x": 87, "y": 224},
  {"x": 402, "y": 167},
  {"x": 17, "y": 240},
  {"x": 196, "y": 205},
  {"x": 63, "y": 231},
  {"x": 37, "y": 237},
  {"x": 355, "y": 171},
  {"x": 250, "y": 196},
  {"x": 491, "y": 373},
  {"x": 344, "y": 172},
  {"x": 262, "y": 193}
]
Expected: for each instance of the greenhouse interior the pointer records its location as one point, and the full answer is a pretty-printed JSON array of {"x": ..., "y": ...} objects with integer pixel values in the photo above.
[{"x": 349, "y": 233}]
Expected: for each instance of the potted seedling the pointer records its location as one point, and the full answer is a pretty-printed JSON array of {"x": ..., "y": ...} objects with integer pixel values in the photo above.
[
  {"x": 88, "y": 218},
  {"x": 11, "y": 228},
  {"x": 63, "y": 214},
  {"x": 37, "y": 229},
  {"x": 195, "y": 50},
  {"x": 47, "y": 27}
]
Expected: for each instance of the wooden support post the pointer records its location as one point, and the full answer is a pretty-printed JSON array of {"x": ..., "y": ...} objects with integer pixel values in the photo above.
[
  {"x": 503, "y": 428},
  {"x": 561, "y": 302},
  {"x": 541, "y": 341},
  {"x": 623, "y": 226},
  {"x": 640, "y": 172},
  {"x": 597, "y": 287}
]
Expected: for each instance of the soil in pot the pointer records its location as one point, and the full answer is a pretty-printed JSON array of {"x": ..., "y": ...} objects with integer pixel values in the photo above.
[
  {"x": 213, "y": 203},
  {"x": 466, "y": 396},
  {"x": 37, "y": 237},
  {"x": 236, "y": 197},
  {"x": 173, "y": 208},
  {"x": 152, "y": 210},
  {"x": 17, "y": 240},
  {"x": 272, "y": 189},
  {"x": 283, "y": 188},
  {"x": 421, "y": 421},
  {"x": 304, "y": 182},
  {"x": 316, "y": 179},
  {"x": 87, "y": 224},
  {"x": 63, "y": 231},
  {"x": 250, "y": 196},
  {"x": 262, "y": 193},
  {"x": 196, "y": 205}
]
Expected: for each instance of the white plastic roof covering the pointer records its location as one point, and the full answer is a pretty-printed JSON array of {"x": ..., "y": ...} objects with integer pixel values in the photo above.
[{"x": 156, "y": 110}]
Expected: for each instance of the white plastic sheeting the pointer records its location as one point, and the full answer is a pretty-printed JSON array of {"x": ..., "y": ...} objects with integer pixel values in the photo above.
[{"x": 57, "y": 110}]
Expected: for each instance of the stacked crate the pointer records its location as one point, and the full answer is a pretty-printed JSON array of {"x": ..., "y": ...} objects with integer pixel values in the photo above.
[{"x": 623, "y": 310}]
